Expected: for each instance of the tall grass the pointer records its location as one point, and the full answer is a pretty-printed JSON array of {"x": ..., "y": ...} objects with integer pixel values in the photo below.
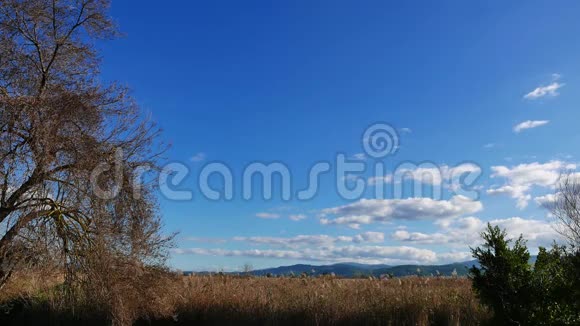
[
  {"x": 231, "y": 300},
  {"x": 328, "y": 301}
]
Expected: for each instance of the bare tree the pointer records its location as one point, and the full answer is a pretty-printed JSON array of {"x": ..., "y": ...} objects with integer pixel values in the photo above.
[
  {"x": 566, "y": 208},
  {"x": 58, "y": 125},
  {"x": 247, "y": 268}
]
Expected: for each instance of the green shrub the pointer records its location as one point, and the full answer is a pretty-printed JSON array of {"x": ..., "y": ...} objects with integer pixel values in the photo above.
[
  {"x": 547, "y": 294},
  {"x": 503, "y": 280},
  {"x": 556, "y": 287}
]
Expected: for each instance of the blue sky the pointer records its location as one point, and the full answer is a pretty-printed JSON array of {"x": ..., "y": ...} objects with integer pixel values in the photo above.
[{"x": 298, "y": 82}]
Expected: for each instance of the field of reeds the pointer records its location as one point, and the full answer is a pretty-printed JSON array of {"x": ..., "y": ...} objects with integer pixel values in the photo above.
[{"x": 232, "y": 300}]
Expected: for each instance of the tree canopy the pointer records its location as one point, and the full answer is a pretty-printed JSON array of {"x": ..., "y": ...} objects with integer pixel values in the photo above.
[{"x": 70, "y": 145}]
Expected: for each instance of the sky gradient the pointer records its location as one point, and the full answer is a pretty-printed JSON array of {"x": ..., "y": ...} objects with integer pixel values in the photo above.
[{"x": 494, "y": 84}]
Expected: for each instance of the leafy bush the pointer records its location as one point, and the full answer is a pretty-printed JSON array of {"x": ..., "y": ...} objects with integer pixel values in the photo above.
[
  {"x": 503, "y": 281},
  {"x": 547, "y": 294}
]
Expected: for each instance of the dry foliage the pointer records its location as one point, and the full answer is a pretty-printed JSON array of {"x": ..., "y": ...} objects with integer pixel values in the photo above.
[
  {"x": 69, "y": 147},
  {"x": 566, "y": 208},
  {"x": 220, "y": 299},
  {"x": 37, "y": 298},
  {"x": 329, "y": 301}
]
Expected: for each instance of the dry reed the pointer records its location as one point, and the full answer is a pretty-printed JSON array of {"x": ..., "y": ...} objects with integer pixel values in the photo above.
[{"x": 232, "y": 300}]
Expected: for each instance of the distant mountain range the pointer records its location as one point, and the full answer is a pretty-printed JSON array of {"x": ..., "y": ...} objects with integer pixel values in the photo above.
[
  {"x": 363, "y": 270},
  {"x": 360, "y": 270}
]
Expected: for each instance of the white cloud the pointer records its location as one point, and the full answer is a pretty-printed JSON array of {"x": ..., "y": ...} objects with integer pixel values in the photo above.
[
  {"x": 541, "y": 174},
  {"x": 456, "y": 236},
  {"x": 268, "y": 215},
  {"x": 537, "y": 232},
  {"x": 454, "y": 257},
  {"x": 521, "y": 178},
  {"x": 393, "y": 255},
  {"x": 293, "y": 242},
  {"x": 406, "y": 130},
  {"x": 463, "y": 231},
  {"x": 367, "y": 211},
  {"x": 547, "y": 201},
  {"x": 297, "y": 217},
  {"x": 287, "y": 254},
  {"x": 320, "y": 240},
  {"x": 426, "y": 173},
  {"x": 421, "y": 238},
  {"x": 518, "y": 192},
  {"x": 360, "y": 156},
  {"x": 541, "y": 91},
  {"x": 373, "y": 237},
  {"x": 205, "y": 240},
  {"x": 529, "y": 125},
  {"x": 466, "y": 232},
  {"x": 378, "y": 252},
  {"x": 489, "y": 146},
  {"x": 198, "y": 157}
]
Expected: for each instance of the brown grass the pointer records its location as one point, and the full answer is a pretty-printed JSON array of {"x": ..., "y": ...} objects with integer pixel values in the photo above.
[
  {"x": 230, "y": 300},
  {"x": 274, "y": 301}
]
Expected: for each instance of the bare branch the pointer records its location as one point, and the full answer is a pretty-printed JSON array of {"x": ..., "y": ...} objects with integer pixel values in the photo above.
[{"x": 566, "y": 208}]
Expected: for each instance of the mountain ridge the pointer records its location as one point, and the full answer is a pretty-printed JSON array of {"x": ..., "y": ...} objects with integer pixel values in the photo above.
[
  {"x": 348, "y": 269},
  {"x": 359, "y": 270}
]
